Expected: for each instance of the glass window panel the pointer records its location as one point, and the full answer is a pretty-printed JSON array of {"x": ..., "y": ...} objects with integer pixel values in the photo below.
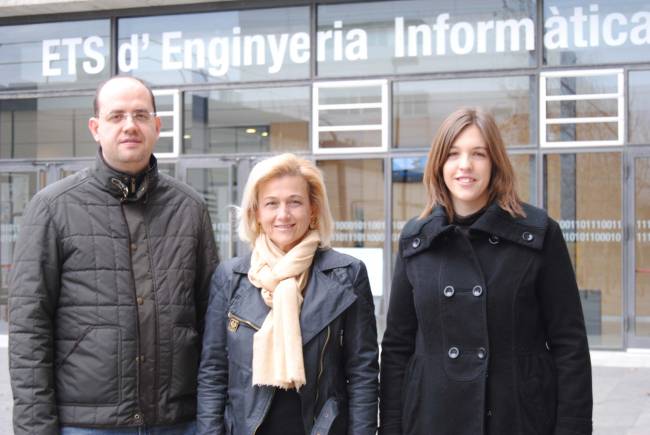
[
  {"x": 583, "y": 193},
  {"x": 216, "y": 47},
  {"x": 215, "y": 186},
  {"x": 54, "y": 55},
  {"x": 585, "y": 131},
  {"x": 581, "y": 108},
  {"x": 579, "y": 32},
  {"x": 355, "y": 189},
  {"x": 247, "y": 120},
  {"x": 642, "y": 247},
  {"x": 419, "y": 107},
  {"x": 414, "y": 36},
  {"x": 349, "y": 117},
  {"x": 605, "y": 84},
  {"x": 349, "y": 94},
  {"x": 524, "y": 167},
  {"x": 639, "y": 109},
  {"x": 164, "y": 144},
  {"x": 41, "y": 128},
  {"x": 349, "y": 139}
]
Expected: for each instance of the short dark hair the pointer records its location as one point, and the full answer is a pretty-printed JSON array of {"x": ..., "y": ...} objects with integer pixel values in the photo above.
[{"x": 102, "y": 84}]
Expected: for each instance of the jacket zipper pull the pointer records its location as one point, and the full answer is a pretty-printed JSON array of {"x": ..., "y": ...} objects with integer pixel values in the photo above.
[{"x": 125, "y": 190}]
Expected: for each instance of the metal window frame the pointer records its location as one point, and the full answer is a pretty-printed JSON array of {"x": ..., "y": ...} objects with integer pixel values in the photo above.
[
  {"x": 175, "y": 115},
  {"x": 317, "y": 107},
  {"x": 619, "y": 95}
]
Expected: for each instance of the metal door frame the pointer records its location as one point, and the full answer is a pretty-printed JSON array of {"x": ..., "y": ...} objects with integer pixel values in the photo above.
[{"x": 631, "y": 339}]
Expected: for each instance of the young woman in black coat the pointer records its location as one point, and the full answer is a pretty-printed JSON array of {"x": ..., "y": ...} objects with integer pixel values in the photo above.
[{"x": 485, "y": 332}]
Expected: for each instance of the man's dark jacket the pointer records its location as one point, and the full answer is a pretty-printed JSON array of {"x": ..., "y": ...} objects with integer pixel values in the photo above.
[
  {"x": 485, "y": 332},
  {"x": 107, "y": 298}
]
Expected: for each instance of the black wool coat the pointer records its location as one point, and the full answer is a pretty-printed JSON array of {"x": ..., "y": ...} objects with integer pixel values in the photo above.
[{"x": 485, "y": 332}]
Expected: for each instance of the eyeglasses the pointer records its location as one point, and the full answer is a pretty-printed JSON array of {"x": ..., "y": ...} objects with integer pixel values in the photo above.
[{"x": 139, "y": 116}]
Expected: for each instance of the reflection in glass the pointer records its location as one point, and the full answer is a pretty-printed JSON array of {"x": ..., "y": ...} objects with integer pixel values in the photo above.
[
  {"x": 419, "y": 107},
  {"x": 582, "y": 132},
  {"x": 642, "y": 247},
  {"x": 350, "y": 139},
  {"x": 581, "y": 32},
  {"x": 639, "y": 107},
  {"x": 16, "y": 189},
  {"x": 216, "y": 187},
  {"x": 355, "y": 189},
  {"x": 246, "y": 45},
  {"x": 591, "y": 84},
  {"x": 247, "y": 120},
  {"x": 415, "y": 36},
  {"x": 41, "y": 128},
  {"x": 583, "y": 193},
  {"x": 54, "y": 55}
]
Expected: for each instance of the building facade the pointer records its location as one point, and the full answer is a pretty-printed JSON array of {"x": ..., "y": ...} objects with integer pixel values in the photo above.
[{"x": 360, "y": 87}]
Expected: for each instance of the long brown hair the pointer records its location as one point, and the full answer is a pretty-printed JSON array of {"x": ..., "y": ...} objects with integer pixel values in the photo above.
[{"x": 502, "y": 180}]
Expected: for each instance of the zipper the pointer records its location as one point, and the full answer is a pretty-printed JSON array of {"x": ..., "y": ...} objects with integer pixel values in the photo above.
[
  {"x": 321, "y": 364},
  {"x": 237, "y": 320},
  {"x": 266, "y": 410}
]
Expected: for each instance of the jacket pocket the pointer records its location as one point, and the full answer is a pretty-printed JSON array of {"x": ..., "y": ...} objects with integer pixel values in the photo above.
[
  {"x": 328, "y": 414},
  {"x": 538, "y": 395},
  {"x": 93, "y": 357},
  {"x": 185, "y": 361}
]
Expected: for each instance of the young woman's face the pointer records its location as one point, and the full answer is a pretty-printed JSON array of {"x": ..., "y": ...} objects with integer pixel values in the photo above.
[
  {"x": 284, "y": 210},
  {"x": 467, "y": 172}
]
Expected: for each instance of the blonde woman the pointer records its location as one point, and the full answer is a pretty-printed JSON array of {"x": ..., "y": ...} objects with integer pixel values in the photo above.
[
  {"x": 290, "y": 343},
  {"x": 485, "y": 332}
]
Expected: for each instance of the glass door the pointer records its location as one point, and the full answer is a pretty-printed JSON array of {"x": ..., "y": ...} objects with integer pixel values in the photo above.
[
  {"x": 18, "y": 184},
  {"x": 216, "y": 181},
  {"x": 639, "y": 297}
]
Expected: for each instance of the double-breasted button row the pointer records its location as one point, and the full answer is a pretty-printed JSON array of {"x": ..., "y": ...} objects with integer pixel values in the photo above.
[
  {"x": 449, "y": 291},
  {"x": 528, "y": 237},
  {"x": 454, "y": 352}
]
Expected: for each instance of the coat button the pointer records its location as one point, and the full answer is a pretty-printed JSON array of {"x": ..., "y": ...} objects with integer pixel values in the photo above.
[
  {"x": 453, "y": 352},
  {"x": 494, "y": 240},
  {"x": 481, "y": 353},
  {"x": 133, "y": 247},
  {"x": 137, "y": 418},
  {"x": 448, "y": 291},
  {"x": 140, "y": 300},
  {"x": 527, "y": 236},
  {"x": 416, "y": 242},
  {"x": 477, "y": 290}
]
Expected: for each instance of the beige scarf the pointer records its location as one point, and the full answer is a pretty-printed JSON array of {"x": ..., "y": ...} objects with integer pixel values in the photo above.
[{"x": 277, "y": 346}]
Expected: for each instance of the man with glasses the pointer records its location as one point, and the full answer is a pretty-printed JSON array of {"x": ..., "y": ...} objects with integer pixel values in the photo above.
[{"x": 109, "y": 287}]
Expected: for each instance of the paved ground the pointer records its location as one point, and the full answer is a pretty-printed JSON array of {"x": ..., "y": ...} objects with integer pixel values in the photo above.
[{"x": 621, "y": 392}]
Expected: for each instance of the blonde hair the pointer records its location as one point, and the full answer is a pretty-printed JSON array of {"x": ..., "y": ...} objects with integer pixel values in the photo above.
[
  {"x": 502, "y": 180},
  {"x": 279, "y": 166}
]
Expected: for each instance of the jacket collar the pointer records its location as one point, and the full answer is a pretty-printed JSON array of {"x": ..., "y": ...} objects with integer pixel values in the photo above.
[
  {"x": 126, "y": 187},
  {"x": 325, "y": 296},
  {"x": 527, "y": 231}
]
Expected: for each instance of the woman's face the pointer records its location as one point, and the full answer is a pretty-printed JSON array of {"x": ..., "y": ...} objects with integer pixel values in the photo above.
[
  {"x": 467, "y": 172},
  {"x": 284, "y": 210}
]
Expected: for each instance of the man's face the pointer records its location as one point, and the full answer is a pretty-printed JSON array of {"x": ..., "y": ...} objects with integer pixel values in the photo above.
[{"x": 124, "y": 125}]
